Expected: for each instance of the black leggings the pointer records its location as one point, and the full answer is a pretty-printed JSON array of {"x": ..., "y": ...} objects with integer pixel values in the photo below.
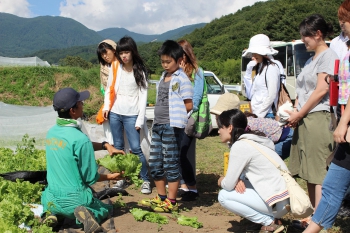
[{"x": 188, "y": 159}]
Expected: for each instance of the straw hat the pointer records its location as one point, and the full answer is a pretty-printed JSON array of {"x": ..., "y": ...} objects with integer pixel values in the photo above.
[
  {"x": 110, "y": 42},
  {"x": 259, "y": 44},
  {"x": 225, "y": 102}
]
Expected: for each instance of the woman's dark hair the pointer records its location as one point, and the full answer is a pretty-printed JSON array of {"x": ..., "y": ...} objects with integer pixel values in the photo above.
[
  {"x": 190, "y": 58},
  {"x": 310, "y": 25},
  {"x": 238, "y": 120},
  {"x": 101, "y": 49},
  {"x": 250, "y": 114},
  {"x": 266, "y": 61},
  {"x": 140, "y": 71}
]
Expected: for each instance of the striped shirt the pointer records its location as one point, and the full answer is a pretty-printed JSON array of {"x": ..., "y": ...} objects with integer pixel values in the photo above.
[{"x": 180, "y": 89}]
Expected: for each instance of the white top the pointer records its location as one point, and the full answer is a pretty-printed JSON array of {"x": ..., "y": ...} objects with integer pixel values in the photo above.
[
  {"x": 338, "y": 45},
  {"x": 247, "y": 79},
  {"x": 262, "y": 174},
  {"x": 130, "y": 99},
  {"x": 263, "y": 97}
]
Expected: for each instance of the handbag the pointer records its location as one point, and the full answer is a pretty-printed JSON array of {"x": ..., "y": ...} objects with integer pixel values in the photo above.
[
  {"x": 300, "y": 204},
  {"x": 99, "y": 118},
  {"x": 199, "y": 123}
]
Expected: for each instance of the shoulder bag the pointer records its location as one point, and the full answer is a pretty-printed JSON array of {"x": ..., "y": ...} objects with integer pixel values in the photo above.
[
  {"x": 300, "y": 204},
  {"x": 199, "y": 123}
]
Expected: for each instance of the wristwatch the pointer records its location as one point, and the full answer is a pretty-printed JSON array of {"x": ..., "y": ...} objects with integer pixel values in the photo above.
[{"x": 103, "y": 144}]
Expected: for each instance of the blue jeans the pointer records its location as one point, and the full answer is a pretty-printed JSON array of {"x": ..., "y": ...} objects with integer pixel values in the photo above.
[
  {"x": 249, "y": 205},
  {"x": 120, "y": 122},
  {"x": 283, "y": 148},
  {"x": 270, "y": 115},
  {"x": 164, "y": 156},
  {"x": 334, "y": 188}
]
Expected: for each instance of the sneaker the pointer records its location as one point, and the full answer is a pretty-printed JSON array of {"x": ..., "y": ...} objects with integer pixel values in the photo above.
[
  {"x": 165, "y": 206},
  {"x": 146, "y": 187},
  {"x": 119, "y": 185},
  {"x": 50, "y": 220},
  {"x": 151, "y": 201},
  {"x": 189, "y": 196},
  {"x": 85, "y": 217}
]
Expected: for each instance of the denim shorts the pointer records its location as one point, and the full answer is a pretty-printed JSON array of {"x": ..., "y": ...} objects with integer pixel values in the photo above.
[
  {"x": 334, "y": 187},
  {"x": 164, "y": 159}
]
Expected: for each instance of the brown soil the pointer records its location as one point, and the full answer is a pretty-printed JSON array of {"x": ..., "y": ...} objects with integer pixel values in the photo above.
[{"x": 206, "y": 208}]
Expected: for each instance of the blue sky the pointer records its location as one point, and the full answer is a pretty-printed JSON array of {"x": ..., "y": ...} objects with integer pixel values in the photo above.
[
  {"x": 141, "y": 16},
  {"x": 45, "y": 7}
]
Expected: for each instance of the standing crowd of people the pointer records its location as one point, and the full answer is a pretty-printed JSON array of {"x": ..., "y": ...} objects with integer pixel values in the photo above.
[{"x": 305, "y": 137}]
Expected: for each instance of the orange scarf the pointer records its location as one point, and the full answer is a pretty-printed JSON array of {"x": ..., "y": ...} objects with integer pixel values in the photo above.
[{"x": 99, "y": 117}]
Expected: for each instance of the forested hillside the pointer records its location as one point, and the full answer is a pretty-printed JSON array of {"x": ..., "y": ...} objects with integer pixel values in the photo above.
[
  {"x": 20, "y": 36},
  {"x": 219, "y": 44}
]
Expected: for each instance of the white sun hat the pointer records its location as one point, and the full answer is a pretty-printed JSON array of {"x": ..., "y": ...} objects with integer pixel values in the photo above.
[{"x": 259, "y": 44}]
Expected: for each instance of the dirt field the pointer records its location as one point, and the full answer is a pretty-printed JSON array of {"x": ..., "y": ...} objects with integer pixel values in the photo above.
[{"x": 206, "y": 208}]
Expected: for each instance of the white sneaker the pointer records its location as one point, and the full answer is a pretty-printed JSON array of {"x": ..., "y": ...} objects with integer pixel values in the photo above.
[
  {"x": 119, "y": 185},
  {"x": 146, "y": 187}
]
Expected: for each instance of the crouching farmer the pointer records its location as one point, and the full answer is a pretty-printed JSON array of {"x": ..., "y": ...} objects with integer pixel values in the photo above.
[{"x": 71, "y": 166}]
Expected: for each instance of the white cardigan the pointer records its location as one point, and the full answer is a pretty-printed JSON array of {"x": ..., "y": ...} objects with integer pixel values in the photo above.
[{"x": 142, "y": 97}]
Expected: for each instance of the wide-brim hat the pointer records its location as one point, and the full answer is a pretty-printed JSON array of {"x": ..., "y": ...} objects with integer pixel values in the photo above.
[
  {"x": 66, "y": 98},
  {"x": 259, "y": 44},
  {"x": 226, "y": 102}
]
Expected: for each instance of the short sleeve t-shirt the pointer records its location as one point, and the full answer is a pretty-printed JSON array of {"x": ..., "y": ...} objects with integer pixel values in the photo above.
[
  {"x": 161, "y": 109},
  {"x": 307, "y": 79}
]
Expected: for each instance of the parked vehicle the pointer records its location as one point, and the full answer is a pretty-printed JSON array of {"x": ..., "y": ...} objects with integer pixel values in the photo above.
[
  {"x": 292, "y": 55},
  {"x": 215, "y": 89}
]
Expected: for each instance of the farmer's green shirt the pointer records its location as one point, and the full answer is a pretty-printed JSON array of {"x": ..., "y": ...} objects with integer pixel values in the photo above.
[
  {"x": 71, "y": 169},
  {"x": 70, "y": 158}
]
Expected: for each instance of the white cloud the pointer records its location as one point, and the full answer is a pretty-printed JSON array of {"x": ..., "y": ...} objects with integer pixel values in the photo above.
[
  {"x": 17, "y": 7},
  {"x": 146, "y": 16},
  {"x": 141, "y": 16}
]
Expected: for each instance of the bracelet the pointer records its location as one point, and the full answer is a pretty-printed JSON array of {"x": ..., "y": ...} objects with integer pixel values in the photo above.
[{"x": 103, "y": 144}]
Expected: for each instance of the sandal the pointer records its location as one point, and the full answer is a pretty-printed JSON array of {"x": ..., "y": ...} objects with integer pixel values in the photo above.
[
  {"x": 301, "y": 224},
  {"x": 271, "y": 228}
]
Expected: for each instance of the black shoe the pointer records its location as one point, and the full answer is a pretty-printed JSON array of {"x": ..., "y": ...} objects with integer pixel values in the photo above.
[
  {"x": 85, "y": 217},
  {"x": 180, "y": 192},
  {"x": 189, "y": 196}
]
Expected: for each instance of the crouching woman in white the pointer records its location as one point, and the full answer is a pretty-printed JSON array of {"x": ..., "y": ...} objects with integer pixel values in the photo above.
[{"x": 253, "y": 187}]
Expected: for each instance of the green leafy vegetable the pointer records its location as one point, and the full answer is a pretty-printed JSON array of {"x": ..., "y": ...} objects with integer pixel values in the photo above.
[
  {"x": 129, "y": 163},
  {"x": 189, "y": 221},
  {"x": 141, "y": 215},
  {"x": 26, "y": 157}
]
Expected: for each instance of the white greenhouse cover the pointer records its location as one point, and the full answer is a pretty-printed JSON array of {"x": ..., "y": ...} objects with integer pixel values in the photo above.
[{"x": 26, "y": 61}]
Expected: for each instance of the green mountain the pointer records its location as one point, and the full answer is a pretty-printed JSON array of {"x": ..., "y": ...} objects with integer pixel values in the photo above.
[
  {"x": 25, "y": 36},
  {"x": 117, "y": 33},
  {"x": 20, "y": 36}
]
